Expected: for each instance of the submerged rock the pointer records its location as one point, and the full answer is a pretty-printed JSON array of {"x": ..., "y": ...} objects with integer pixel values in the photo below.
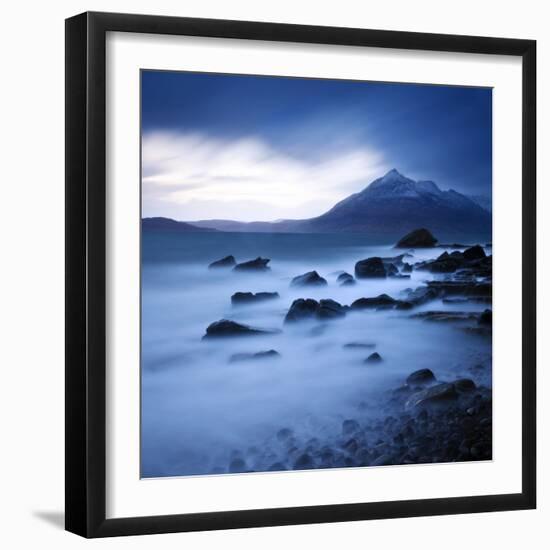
[
  {"x": 242, "y": 298},
  {"x": 370, "y": 268},
  {"x": 269, "y": 354},
  {"x": 419, "y": 238},
  {"x": 435, "y": 395},
  {"x": 228, "y": 261},
  {"x": 225, "y": 328},
  {"x": 302, "y": 309},
  {"x": 312, "y": 309},
  {"x": 345, "y": 279},
  {"x": 420, "y": 377},
  {"x": 486, "y": 318},
  {"x": 374, "y": 358},
  {"x": 259, "y": 264},
  {"x": 464, "y": 385},
  {"x": 330, "y": 309},
  {"x": 474, "y": 253},
  {"x": 311, "y": 278},
  {"x": 383, "y": 300},
  {"x": 407, "y": 268}
]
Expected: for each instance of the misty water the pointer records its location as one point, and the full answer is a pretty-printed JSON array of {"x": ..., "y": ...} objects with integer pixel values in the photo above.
[{"x": 199, "y": 409}]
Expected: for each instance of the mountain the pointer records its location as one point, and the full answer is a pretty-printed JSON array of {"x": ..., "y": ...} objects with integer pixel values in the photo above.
[
  {"x": 167, "y": 224},
  {"x": 483, "y": 201},
  {"x": 388, "y": 208}
]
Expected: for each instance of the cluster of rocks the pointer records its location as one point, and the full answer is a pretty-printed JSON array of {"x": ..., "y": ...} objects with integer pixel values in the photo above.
[
  {"x": 307, "y": 308},
  {"x": 258, "y": 264},
  {"x": 225, "y": 328},
  {"x": 380, "y": 268},
  {"x": 424, "y": 421},
  {"x": 245, "y": 298}
]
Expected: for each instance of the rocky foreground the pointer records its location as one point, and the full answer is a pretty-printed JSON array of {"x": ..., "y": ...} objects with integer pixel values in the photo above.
[{"x": 425, "y": 419}]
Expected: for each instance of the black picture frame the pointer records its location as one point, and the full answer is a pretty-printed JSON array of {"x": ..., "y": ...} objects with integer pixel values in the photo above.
[{"x": 86, "y": 269}]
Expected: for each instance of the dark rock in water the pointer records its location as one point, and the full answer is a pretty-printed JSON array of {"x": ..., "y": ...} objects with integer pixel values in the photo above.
[
  {"x": 359, "y": 345},
  {"x": 303, "y": 462},
  {"x": 474, "y": 253},
  {"x": 445, "y": 316},
  {"x": 330, "y": 309},
  {"x": 344, "y": 277},
  {"x": 244, "y": 298},
  {"x": 407, "y": 268},
  {"x": 417, "y": 297},
  {"x": 419, "y": 238},
  {"x": 383, "y": 460},
  {"x": 259, "y": 264},
  {"x": 439, "y": 394},
  {"x": 370, "y": 268},
  {"x": 464, "y": 385},
  {"x": 486, "y": 318},
  {"x": 284, "y": 433},
  {"x": 445, "y": 265},
  {"x": 420, "y": 377},
  {"x": 391, "y": 270},
  {"x": 302, "y": 309},
  {"x": 228, "y": 261},
  {"x": 374, "y": 358},
  {"x": 237, "y": 466},
  {"x": 225, "y": 328},
  {"x": 350, "y": 426},
  {"x": 383, "y": 300},
  {"x": 349, "y": 282},
  {"x": 311, "y": 309},
  {"x": 312, "y": 278},
  {"x": 269, "y": 354}
]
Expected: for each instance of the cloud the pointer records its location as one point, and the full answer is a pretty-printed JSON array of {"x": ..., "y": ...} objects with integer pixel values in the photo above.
[{"x": 191, "y": 176}]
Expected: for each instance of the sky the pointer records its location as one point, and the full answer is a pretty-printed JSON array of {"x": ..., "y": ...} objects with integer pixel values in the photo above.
[{"x": 250, "y": 148}]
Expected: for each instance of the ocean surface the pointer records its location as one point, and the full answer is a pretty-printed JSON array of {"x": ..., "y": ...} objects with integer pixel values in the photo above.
[{"x": 199, "y": 410}]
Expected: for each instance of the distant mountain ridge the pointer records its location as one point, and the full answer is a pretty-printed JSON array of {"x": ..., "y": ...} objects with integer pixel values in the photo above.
[
  {"x": 167, "y": 224},
  {"x": 386, "y": 209}
]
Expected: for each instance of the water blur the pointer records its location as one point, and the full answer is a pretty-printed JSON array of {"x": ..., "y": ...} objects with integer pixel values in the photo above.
[{"x": 198, "y": 407}]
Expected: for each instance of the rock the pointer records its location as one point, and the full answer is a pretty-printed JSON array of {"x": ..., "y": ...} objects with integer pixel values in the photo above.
[
  {"x": 259, "y": 264},
  {"x": 420, "y": 378},
  {"x": 343, "y": 277},
  {"x": 417, "y": 297},
  {"x": 374, "y": 358},
  {"x": 349, "y": 282},
  {"x": 311, "y": 309},
  {"x": 407, "y": 268},
  {"x": 350, "y": 426},
  {"x": 391, "y": 270},
  {"x": 225, "y": 328},
  {"x": 383, "y": 300},
  {"x": 244, "y": 298},
  {"x": 370, "y": 268},
  {"x": 383, "y": 460},
  {"x": 311, "y": 278},
  {"x": 486, "y": 318},
  {"x": 303, "y": 462},
  {"x": 302, "y": 309},
  {"x": 330, "y": 309},
  {"x": 445, "y": 316},
  {"x": 359, "y": 345},
  {"x": 435, "y": 395},
  {"x": 474, "y": 253},
  {"x": 228, "y": 261},
  {"x": 464, "y": 385},
  {"x": 269, "y": 354},
  {"x": 419, "y": 238}
]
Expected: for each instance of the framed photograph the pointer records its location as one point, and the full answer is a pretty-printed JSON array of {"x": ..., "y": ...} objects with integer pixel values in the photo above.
[{"x": 300, "y": 274}]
